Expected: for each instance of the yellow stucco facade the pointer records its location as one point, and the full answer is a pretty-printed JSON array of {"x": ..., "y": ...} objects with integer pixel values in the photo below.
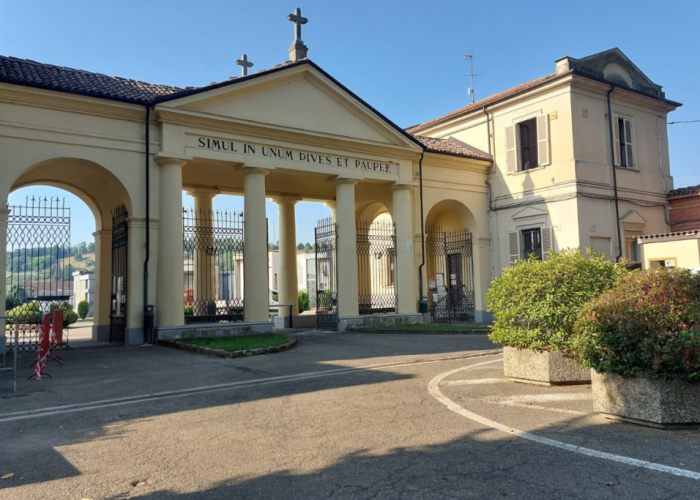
[{"x": 294, "y": 133}]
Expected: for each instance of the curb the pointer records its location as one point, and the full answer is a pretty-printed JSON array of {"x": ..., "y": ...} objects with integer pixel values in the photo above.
[
  {"x": 422, "y": 332},
  {"x": 177, "y": 344}
]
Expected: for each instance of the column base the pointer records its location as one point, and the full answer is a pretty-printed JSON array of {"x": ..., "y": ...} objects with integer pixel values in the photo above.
[
  {"x": 378, "y": 321},
  {"x": 100, "y": 333}
]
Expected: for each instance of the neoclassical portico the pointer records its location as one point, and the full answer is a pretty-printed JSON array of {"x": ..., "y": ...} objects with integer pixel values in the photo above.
[{"x": 288, "y": 134}]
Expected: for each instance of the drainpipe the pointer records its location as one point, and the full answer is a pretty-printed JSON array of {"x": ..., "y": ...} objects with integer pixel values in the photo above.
[
  {"x": 488, "y": 134},
  {"x": 422, "y": 304},
  {"x": 614, "y": 172},
  {"x": 148, "y": 310}
]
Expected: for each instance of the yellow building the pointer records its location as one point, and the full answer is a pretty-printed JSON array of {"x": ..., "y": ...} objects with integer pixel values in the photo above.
[{"x": 467, "y": 193}]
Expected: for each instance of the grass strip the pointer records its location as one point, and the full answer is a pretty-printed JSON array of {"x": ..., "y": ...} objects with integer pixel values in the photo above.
[
  {"x": 431, "y": 327},
  {"x": 240, "y": 343}
]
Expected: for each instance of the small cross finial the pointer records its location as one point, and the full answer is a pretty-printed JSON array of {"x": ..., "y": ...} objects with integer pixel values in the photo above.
[
  {"x": 298, "y": 21},
  {"x": 244, "y": 64}
]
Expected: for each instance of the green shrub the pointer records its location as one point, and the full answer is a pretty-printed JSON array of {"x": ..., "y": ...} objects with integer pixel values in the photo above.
[
  {"x": 536, "y": 302},
  {"x": 189, "y": 311},
  {"x": 303, "y": 298},
  {"x": 647, "y": 325},
  {"x": 83, "y": 309},
  {"x": 26, "y": 314},
  {"x": 69, "y": 316}
]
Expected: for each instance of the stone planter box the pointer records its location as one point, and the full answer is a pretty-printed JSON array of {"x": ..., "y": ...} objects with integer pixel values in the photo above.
[
  {"x": 656, "y": 403},
  {"x": 542, "y": 367}
]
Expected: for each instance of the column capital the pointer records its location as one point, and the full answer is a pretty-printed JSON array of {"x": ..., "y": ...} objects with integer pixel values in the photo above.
[
  {"x": 102, "y": 233},
  {"x": 171, "y": 160},
  {"x": 286, "y": 199},
  {"x": 195, "y": 192},
  {"x": 339, "y": 181},
  {"x": 254, "y": 170},
  {"x": 331, "y": 204},
  {"x": 401, "y": 187}
]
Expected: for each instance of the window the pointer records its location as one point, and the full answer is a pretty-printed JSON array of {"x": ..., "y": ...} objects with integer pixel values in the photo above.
[
  {"x": 624, "y": 147},
  {"x": 523, "y": 243},
  {"x": 656, "y": 263},
  {"x": 632, "y": 249},
  {"x": 527, "y": 144}
]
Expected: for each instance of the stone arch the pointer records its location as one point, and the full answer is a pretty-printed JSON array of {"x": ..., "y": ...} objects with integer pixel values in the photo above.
[
  {"x": 102, "y": 192},
  {"x": 451, "y": 215}
]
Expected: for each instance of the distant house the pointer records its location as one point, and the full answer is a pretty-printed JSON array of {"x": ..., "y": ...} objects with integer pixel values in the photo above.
[{"x": 84, "y": 289}]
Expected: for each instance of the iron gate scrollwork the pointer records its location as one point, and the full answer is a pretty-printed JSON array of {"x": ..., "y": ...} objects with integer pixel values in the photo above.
[
  {"x": 450, "y": 267},
  {"x": 326, "y": 275},
  {"x": 213, "y": 248},
  {"x": 39, "y": 273},
  {"x": 120, "y": 261},
  {"x": 376, "y": 267}
]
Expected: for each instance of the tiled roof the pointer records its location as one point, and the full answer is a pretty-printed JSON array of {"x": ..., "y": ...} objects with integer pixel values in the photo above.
[
  {"x": 683, "y": 191},
  {"x": 689, "y": 232},
  {"x": 446, "y": 146},
  {"x": 48, "y": 76},
  {"x": 480, "y": 104}
]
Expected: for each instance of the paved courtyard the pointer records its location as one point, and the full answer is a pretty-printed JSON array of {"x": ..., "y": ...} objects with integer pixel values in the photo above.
[{"x": 340, "y": 416}]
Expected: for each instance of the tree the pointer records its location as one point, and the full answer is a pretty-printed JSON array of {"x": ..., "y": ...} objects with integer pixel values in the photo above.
[
  {"x": 91, "y": 247},
  {"x": 83, "y": 309},
  {"x": 308, "y": 247},
  {"x": 300, "y": 246}
]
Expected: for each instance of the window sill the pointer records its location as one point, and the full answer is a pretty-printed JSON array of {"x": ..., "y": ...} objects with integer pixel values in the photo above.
[
  {"x": 520, "y": 172},
  {"x": 630, "y": 169}
]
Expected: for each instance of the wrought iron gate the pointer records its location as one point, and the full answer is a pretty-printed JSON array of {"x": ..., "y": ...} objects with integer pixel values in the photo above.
[
  {"x": 120, "y": 262},
  {"x": 376, "y": 267},
  {"x": 213, "y": 247},
  {"x": 39, "y": 275},
  {"x": 450, "y": 268},
  {"x": 326, "y": 275}
]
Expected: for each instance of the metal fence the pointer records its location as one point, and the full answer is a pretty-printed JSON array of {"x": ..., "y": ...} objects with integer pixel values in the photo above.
[
  {"x": 213, "y": 267},
  {"x": 326, "y": 275},
  {"x": 39, "y": 273},
  {"x": 450, "y": 272},
  {"x": 376, "y": 267}
]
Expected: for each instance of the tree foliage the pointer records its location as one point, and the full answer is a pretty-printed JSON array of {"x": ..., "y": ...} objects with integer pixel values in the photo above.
[
  {"x": 536, "y": 302},
  {"x": 83, "y": 309},
  {"x": 647, "y": 325}
]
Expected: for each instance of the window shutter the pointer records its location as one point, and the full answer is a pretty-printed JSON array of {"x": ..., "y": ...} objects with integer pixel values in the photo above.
[
  {"x": 511, "y": 157},
  {"x": 546, "y": 241},
  {"x": 514, "y": 245},
  {"x": 616, "y": 146},
  {"x": 628, "y": 143},
  {"x": 543, "y": 148}
]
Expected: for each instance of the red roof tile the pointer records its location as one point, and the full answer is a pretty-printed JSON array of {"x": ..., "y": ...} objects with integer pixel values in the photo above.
[
  {"x": 480, "y": 104},
  {"x": 446, "y": 146},
  {"x": 683, "y": 191}
]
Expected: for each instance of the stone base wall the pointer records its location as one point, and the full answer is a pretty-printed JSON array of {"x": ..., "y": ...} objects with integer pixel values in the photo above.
[
  {"x": 213, "y": 330},
  {"x": 659, "y": 403},
  {"x": 542, "y": 367},
  {"x": 378, "y": 321}
]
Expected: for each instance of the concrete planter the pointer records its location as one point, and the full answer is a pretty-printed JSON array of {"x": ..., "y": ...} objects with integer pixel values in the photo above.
[
  {"x": 542, "y": 367},
  {"x": 656, "y": 403}
]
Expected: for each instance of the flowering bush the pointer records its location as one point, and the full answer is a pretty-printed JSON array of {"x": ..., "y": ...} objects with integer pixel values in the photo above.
[
  {"x": 536, "y": 302},
  {"x": 647, "y": 325}
]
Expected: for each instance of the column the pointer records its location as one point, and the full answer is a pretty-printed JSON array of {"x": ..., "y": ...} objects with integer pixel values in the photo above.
[
  {"x": 405, "y": 269},
  {"x": 287, "y": 285},
  {"x": 103, "y": 284},
  {"x": 256, "y": 298},
  {"x": 169, "y": 288},
  {"x": 4, "y": 213},
  {"x": 204, "y": 268},
  {"x": 347, "y": 247}
]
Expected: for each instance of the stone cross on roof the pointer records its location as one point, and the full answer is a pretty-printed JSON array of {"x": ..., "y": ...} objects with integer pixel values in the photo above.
[
  {"x": 298, "y": 50},
  {"x": 244, "y": 64},
  {"x": 298, "y": 21}
]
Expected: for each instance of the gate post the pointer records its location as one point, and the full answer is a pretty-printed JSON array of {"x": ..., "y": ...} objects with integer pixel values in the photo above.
[
  {"x": 256, "y": 300},
  {"x": 406, "y": 270},
  {"x": 170, "y": 310},
  {"x": 347, "y": 248},
  {"x": 103, "y": 284},
  {"x": 4, "y": 212}
]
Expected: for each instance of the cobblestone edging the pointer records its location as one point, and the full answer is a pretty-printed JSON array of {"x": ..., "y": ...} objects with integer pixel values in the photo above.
[
  {"x": 421, "y": 332},
  {"x": 221, "y": 353}
]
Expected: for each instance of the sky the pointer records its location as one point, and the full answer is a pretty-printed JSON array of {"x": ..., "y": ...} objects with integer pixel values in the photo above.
[{"x": 401, "y": 56}]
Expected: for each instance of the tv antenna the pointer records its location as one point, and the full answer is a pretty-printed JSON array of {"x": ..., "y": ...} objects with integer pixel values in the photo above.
[{"x": 471, "y": 74}]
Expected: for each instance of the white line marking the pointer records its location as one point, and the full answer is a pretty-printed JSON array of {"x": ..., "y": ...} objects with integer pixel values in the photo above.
[
  {"x": 434, "y": 389},
  {"x": 476, "y": 381},
  {"x": 41, "y": 412}
]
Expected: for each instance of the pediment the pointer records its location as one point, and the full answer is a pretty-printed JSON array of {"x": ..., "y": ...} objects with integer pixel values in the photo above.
[
  {"x": 302, "y": 98},
  {"x": 633, "y": 219},
  {"x": 529, "y": 213}
]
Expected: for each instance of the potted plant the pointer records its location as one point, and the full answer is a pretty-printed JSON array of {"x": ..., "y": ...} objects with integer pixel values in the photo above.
[
  {"x": 535, "y": 303},
  {"x": 642, "y": 339}
]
